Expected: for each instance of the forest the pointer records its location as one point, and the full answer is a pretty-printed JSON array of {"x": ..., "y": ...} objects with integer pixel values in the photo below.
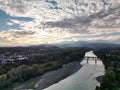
[
  {"x": 111, "y": 60},
  {"x": 40, "y": 60}
]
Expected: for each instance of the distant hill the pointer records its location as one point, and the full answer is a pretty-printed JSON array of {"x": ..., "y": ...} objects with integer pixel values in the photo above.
[
  {"x": 92, "y": 45},
  {"x": 101, "y": 45},
  {"x": 79, "y": 44}
]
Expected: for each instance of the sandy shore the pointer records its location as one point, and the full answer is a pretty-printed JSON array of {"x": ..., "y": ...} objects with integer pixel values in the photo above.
[{"x": 49, "y": 78}]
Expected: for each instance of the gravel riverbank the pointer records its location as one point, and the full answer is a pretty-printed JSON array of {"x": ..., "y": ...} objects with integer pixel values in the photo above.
[{"x": 49, "y": 78}]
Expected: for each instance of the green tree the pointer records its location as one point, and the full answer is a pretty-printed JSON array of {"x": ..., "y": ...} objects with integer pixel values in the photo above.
[
  {"x": 20, "y": 73},
  {"x": 2, "y": 70},
  {"x": 109, "y": 80}
]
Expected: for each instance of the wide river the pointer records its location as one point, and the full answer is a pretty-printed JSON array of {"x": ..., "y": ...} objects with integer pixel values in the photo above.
[{"x": 83, "y": 79}]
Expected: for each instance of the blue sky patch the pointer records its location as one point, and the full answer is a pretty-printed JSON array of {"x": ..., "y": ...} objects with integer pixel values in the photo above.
[
  {"x": 54, "y": 4},
  {"x": 4, "y": 18}
]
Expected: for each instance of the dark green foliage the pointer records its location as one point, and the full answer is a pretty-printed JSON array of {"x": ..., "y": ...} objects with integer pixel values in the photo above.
[
  {"x": 111, "y": 60},
  {"x": 4, "y": 81},
  {"x": 109, "y": 81},
  {"x": 97, "y": 88},
  {"x": 20, "y": 73},
  {"x": 2, "y": 70},
  {"x": 40, "y": 60}
]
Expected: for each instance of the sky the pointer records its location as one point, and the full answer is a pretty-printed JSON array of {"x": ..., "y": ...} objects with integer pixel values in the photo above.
[{"x": 33, "y": 22}]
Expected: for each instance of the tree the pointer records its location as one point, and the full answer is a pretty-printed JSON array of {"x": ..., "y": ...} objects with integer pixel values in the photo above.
[
  {"x": 20, "y": 73},
  {"x": 2, "y": 70},
  {"x": 109, "y": 80}
]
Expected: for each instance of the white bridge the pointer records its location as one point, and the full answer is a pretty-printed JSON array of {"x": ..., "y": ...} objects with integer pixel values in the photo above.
[{"x": 91, "y": 56}]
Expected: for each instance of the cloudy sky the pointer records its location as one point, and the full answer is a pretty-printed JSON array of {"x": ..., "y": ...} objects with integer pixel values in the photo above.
[{"x": 31, "y": 22}]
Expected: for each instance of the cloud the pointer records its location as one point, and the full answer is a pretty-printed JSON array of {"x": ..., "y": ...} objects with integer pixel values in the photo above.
[
  {"x": 9, "y": 23},
  {"x": 13, "y": 6},
  {"x": 73, "y": 25},
  {"x": 24, "y": 37},
  {"x": 109, "y": 19},
  {"x": 17, "y": 34},
  {"x": 54, "y": 20},
  {"x": 14, "y": 22},
  {"x": 103, "y": 20},
  {"x": 3, "y": 39}
]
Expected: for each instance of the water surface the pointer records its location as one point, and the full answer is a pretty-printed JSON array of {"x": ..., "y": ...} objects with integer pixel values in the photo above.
[{"x": 83, "y": 79}]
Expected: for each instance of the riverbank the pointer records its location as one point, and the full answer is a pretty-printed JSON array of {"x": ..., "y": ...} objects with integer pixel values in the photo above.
[
  {"x": 99, "y": 79},
  {"x": 49, "y": 78},
  {"x": 84, "y": 78}
]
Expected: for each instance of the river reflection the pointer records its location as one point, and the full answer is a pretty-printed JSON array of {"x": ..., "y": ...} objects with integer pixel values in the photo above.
[{"x": 83, "y": 79}]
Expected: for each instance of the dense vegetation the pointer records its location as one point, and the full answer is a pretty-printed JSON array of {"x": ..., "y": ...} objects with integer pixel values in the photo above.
[
  {"x": 41, "y": 60},
  {"x": 111, "y": 60}
]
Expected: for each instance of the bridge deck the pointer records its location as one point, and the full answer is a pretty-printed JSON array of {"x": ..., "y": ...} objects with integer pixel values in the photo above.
[
  {"x": 90, "y": 54},
  {"x": 90, "y": 57}
]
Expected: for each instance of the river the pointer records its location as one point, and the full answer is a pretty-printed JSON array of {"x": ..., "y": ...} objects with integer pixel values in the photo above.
[{"x": 84, "y": 78}]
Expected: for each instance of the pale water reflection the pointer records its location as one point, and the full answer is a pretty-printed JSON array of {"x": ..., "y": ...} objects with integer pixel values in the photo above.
[{"x": 84, "y": 79}]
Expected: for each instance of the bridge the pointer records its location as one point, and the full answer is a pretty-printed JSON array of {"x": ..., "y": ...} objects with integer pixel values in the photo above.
[{"x": 91, "y": 56}]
